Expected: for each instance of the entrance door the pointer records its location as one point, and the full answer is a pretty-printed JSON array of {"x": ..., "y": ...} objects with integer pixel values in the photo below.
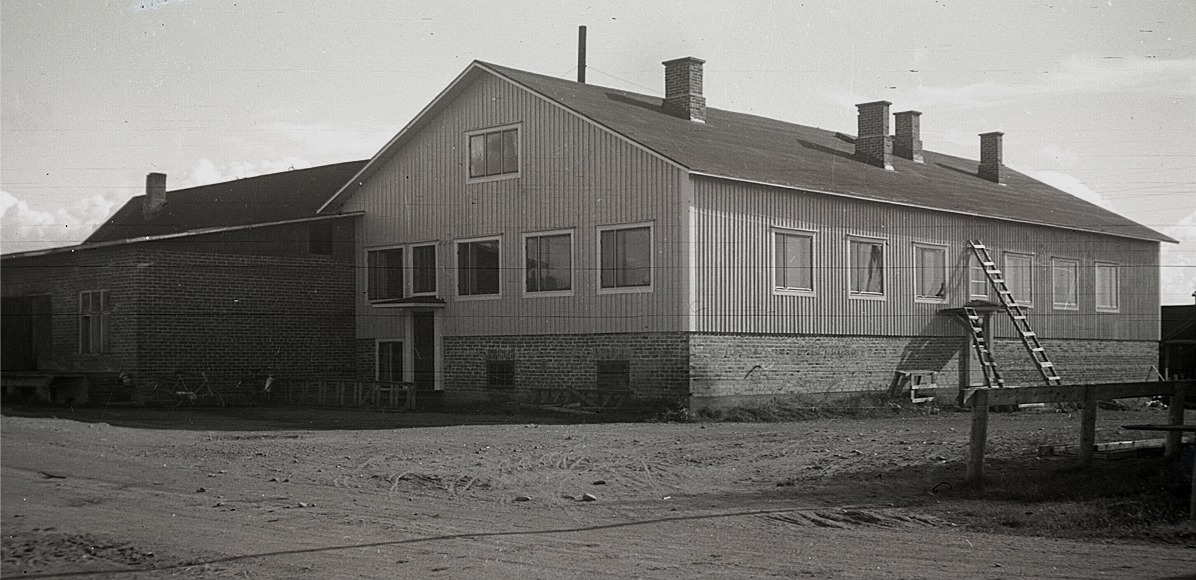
[{"x": 423, "y": 349}]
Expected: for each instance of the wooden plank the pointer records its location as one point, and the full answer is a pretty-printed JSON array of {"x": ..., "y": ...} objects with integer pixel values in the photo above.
[
  {"x": 1088, "y": 427},
  {"x": 975, "y": 475},
  {"x": 1175, "y": 416},
  {"x": 1075, "y": 393}
]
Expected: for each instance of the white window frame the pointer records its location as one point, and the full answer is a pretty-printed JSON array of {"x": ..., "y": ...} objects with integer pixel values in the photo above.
[
  {"x": 410, "y": 262},
  {"x": 366, "y": 269},
  {"x": 884, "y": 268},
  {"x": 1116, "y": 268},
  {"x": 1055, "y": 304},
  {"x": 457, "y": 269},
  {"x": 772, "y": 260},
  {"x": 572, "y": 264},
  {"x": 1028, "y": 301},
  {"x": 402, "y": 357},
  {"x": 918, "y": 268},
  {"x": 518, "y": 127},
  {"x": 651, "y": 258}
]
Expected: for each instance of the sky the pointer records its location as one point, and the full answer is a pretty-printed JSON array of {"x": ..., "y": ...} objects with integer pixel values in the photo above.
[{"x": 1097, "y": 98}]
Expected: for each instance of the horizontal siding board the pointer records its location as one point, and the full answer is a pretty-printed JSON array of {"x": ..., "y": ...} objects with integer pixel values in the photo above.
[
  {"x": 733, "y": 291},
  {"x": 573, "y": 175}
]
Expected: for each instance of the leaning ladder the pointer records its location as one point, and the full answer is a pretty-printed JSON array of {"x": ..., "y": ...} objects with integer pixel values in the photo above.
[
  {"x": 1017, "y": 314},
  {"x": 992, "y": 376}
]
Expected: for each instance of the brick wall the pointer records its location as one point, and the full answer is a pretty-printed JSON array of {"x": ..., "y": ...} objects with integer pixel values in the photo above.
[
  {"x": 230, "y": 315},
  {"x": 365, "y": 359},
  {"x": 1079, "y": 361},
  {"x": 738, "y": 365},
  {"x": 62, "y": 277},
  {"x": 658, "y": 363},
  {"x": 188, "y": 307}
]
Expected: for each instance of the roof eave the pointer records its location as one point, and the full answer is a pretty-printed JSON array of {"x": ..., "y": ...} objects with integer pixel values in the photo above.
[
  {"x": 187, "y": 234},
  {"x": 1159, "y": 238}
]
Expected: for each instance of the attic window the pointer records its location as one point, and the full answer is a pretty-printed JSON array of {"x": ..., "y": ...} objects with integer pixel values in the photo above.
[{"x": 494, "y": 153}]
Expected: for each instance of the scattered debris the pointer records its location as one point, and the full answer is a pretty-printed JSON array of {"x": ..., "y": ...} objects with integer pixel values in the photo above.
[{"x": 201, "y": 490}]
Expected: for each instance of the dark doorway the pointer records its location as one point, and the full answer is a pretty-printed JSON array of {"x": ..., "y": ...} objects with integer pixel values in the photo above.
[
  {"x": 26, "y": 344},
  {"x": 423, "y": 343}
]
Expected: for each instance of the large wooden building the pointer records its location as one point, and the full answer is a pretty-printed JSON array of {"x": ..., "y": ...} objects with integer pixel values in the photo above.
[{"x": 525, "y": 232}]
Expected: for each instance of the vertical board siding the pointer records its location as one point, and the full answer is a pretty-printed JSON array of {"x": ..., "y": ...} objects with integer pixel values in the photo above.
[
  {"x": 734, "y": 278},
  {"x": 573, "y": 175}
]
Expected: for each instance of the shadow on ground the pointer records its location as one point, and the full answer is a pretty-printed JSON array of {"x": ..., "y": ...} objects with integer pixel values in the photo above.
[{"x": 281, "y": 418}]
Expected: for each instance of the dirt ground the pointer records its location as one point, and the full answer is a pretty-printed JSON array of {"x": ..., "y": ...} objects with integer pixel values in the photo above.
[{"x": 293, "y": 493}]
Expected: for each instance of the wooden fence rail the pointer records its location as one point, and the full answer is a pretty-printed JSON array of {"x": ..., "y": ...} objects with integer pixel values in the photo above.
[
  {"x": 356, "y": 394},
  {"x": 980, "y": 399}
]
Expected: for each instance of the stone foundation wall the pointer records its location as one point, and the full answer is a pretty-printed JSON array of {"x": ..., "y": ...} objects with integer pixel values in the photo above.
[{"x": 657, "y": 364}]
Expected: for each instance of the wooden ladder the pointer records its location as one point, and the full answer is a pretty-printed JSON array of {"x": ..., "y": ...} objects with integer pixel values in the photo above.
[
  {"x": 992, "y": 376},
  {"x": 1017, "y": 314}
]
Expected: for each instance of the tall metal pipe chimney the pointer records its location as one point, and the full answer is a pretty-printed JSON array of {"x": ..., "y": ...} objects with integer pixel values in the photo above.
[{"x": 581, "y": 54}]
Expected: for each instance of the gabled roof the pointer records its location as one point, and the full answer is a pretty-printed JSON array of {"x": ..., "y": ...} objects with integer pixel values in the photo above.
[
  {"x": 273, "y": 198},
  {"x": 757, "y": 149}
]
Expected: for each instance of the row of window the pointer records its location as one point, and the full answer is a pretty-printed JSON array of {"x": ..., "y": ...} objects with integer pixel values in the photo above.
[
  {"x": 1018, "y": 270},
  {"x": 624, "y": 253},
  {"x": 794, "y": 273},
  {"x": 625, "y": 257}
]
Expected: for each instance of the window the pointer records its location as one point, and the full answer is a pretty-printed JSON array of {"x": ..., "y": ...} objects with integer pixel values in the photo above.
[
  {"x": 626, "y": 257},
  {"x": 494, "y": 152},
  {"x": 930, "y": 267},
  {"x": 793, "y": 262},
  {"x": 477, "y": 268},
  {"x": 319, "y": 238},
  {"x": 1064, "y": 281},
  {"x": 1108, "y": 291},
  {"x": 977, "y": 279},
  {"x": 390, "y": 360},
  {"x": 500, "y": 373},
  {"x": 385, "y": 270},
  {"x": 423, "y": 269},
  {"x": 1019, "y": 276},
  {"x": 867, "y": 267},
  {"x": 549, "y": 259},
  {"x": 614, "y": 374},
  {"x": 94, "y": 307}
]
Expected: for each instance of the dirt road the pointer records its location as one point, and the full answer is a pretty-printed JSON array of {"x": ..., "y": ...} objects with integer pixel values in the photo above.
[{"x": 276, "y": 493}]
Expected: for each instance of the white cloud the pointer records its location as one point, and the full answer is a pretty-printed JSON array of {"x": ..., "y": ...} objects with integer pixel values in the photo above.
[
  {"x": 207, "y": 172},
  {"x": 1178, "y": 262},
  {"x": 24, "y": 227},
  {"x": 1071, "y": 185}
]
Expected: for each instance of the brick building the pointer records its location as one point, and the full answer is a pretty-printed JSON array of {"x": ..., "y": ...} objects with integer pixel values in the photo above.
[
  {"x": 527, "y": 233},
  {"x": 224, "y": 280}
]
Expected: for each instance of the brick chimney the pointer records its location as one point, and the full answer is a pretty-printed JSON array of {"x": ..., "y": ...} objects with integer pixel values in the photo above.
[
  {"x": 683, "y": 88},
  {"x": 155, "y": 195},
  {"x": 908, "y": 142},
  {"x": 873, "y": 145},
  {"x": 991, "y": 166}
]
